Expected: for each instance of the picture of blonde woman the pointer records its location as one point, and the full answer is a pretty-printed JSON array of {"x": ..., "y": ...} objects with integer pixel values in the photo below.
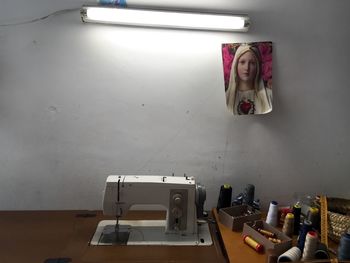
[{"x": 248, "y": 86}]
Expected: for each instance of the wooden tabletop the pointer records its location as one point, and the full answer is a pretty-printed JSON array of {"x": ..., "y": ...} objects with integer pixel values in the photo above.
[
  {"x": 36, "y": 236},
  {"x": 236, "y": 250}
]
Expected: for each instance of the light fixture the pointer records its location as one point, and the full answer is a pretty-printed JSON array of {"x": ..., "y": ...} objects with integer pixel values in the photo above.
[{"x": 165, "y": 18}]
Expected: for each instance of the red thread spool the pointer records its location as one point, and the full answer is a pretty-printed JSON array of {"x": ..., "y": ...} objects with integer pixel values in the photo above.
[{"x": 253, "y": 244}]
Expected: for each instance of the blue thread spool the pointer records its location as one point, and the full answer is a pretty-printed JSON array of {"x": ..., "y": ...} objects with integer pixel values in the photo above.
[
  {"x": 307, "y": 226},
  {"x": 344, "y": 247}
]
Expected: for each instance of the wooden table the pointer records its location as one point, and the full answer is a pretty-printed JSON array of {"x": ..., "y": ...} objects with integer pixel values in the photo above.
[
  {"x": 35, "y": 236},
  {"x": 236, "y": 250}
]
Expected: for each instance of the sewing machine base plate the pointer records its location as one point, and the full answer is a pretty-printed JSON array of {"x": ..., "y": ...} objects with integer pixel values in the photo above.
[
  {"x": 110, "y": 236},
  {"x": 147, "y": 232}
]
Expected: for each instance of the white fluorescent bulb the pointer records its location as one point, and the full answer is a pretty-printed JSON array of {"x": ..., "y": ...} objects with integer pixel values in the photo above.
[{"x": 162, "y": 18}]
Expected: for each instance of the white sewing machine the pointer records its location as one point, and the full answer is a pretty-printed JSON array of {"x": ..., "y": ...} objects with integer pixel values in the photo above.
[{"x": 181, "y": 197}]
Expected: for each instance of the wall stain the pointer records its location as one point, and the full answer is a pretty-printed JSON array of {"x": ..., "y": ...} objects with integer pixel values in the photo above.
[{"x": 53, "y": 109}]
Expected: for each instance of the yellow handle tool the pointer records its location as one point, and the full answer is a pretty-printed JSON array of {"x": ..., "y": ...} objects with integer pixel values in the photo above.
[{"x": 324, "y": 220}]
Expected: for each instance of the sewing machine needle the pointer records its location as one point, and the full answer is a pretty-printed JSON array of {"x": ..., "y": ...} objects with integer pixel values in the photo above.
[{"x": 117, "y": 225}]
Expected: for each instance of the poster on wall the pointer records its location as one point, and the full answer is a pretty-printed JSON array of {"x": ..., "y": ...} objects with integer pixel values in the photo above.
[{"x": 248, "y": 77}]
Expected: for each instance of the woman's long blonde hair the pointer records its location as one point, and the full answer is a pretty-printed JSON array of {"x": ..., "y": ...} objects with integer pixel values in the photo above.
[{"x": 261, "y": 98}]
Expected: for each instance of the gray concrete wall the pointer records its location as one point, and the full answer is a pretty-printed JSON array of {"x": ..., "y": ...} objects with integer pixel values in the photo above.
[{"x": 81, "y": 101}]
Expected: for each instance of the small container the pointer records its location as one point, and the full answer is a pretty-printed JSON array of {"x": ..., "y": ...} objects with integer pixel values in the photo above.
[
  {"x": 251, "y": 229},
  {"x": 271, "y": 256},
  {"x": 235, "y": 216}
]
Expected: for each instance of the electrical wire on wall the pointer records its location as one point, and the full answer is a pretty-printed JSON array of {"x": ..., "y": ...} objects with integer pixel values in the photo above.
[
  {"x": 121, "y": 3},
  {"x": 59, "y": 12}
]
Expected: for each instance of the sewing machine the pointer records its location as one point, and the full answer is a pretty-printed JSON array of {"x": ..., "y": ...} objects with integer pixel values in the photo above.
[{"x": 181, "y": 197}]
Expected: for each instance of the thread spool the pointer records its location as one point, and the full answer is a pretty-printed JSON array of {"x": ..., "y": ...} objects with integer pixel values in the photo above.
[
  {"x": 297, "y": 213},
  {"x": 288, "y": 226},
  {"x": 313, "y": 216},
  {"x": 253, "y": 244},
  {"x": 307, "y": 226},
  {"x": 310, "y": 245},
  {"x": 275, "y": 240},
  {"x": 283, "y": 213},
  {"x": 272, "y": 215},
  {"x": 344, "y": 247},
  {"x": 248, "y": 194},
  {"x": 321, "y": 252},
  {"x": 290, "y": 255},
  {"x": 225, "y": 196},
  {"x": 266, "y": 233}
]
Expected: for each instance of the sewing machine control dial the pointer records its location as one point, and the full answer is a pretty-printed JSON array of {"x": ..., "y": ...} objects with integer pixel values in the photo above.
[
  {"x": 177, "y": 199},
  {"x": 177, "y": 212}
]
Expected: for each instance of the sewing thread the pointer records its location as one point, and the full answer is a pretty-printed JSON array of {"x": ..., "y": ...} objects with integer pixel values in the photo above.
[
  {"x": 310, "y": 245},
  {"x": 288, "y": 226},
  {"x": 290, "y": 255},
  {"x": 321, "y": 252},
  {"x": 225, "y": 196},
  {"x": 253, "y": 244},
  {"x": 344, "y": 247},
  {"x": 272, "y": 215},
  {"x": 313, "y": 216},
  {"x": 297, "y": 213},
  {"x": 307, "y": 226}
]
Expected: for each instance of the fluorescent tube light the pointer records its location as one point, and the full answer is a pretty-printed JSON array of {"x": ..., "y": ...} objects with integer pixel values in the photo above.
[{"x": 164, "y": 18}]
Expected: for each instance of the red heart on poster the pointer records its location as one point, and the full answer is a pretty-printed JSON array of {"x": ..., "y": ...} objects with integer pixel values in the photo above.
[{"x": 245, "y": 107}]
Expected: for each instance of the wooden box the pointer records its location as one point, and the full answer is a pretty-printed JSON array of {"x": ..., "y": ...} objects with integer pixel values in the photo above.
[
  {"x": 251, "y": 229},
  {"x": 235, "y": 216}
]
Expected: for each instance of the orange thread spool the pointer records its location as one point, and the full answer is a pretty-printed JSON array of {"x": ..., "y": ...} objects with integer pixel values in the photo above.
[
  {"x": 266, "y": 233},
  {"x": 275, "y": 240},
  {"x": 253, "y": 244}
]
